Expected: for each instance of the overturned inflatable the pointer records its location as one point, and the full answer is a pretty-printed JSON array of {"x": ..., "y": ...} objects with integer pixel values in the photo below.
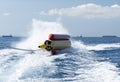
[{"x": 56, "y": 42}]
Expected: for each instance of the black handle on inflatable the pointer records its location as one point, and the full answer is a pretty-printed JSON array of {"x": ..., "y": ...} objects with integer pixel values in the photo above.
[{"x": 48, "y": 45}]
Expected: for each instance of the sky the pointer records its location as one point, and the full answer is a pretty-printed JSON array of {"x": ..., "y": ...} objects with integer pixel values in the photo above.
[{"x": 79, "y": 17}]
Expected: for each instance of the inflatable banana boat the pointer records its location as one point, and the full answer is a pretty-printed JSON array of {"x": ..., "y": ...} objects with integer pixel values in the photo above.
[{"x": 56, "y": 42}]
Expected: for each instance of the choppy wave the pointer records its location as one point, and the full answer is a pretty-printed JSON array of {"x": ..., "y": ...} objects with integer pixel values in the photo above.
[{"x": 74, "y": 65}]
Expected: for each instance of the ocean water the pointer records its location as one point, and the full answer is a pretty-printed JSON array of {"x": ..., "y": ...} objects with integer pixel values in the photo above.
[{"x": 90, "y": 59}]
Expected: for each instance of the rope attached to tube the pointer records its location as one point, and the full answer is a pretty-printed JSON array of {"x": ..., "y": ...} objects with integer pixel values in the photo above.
[
  {"x": 23, "y": 49},
  {"x": 29, "y": 50}
]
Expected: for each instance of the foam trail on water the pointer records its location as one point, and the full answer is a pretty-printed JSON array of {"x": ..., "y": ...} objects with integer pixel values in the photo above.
[
  {"x": 92, "y": 70},
  {"x": 103, "y": 46},
  {"x": 33, "y": 66},
  {"x": 20, "y": 65}
]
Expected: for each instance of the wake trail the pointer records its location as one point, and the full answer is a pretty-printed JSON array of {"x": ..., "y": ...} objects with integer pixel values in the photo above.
[{"x": 76, "y": 64}]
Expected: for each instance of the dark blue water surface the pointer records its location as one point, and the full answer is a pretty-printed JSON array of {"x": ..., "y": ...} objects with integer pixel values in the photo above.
[
  {"x": 76, "y": 65},
  {"x": 98, "y": 40},
  {"x": 113, "y": 54},
  {"x": 7, "y": 41}
]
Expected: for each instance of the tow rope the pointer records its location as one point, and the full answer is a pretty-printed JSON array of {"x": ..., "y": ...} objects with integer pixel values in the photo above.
[
  {"x": 29, "y": 50},
  {"x": 24, "y": 49}
]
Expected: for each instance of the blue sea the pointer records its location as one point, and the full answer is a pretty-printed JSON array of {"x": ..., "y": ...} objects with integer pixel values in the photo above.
[{"x": 90, "y": 59}]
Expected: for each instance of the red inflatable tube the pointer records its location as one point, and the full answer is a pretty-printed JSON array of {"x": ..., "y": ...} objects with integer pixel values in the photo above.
[
  {"x": 53, "y": 52},
  {"x": 58, "y": 37}
]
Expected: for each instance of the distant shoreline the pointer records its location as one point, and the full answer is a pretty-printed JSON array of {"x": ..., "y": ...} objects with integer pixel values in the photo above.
[
  {"x": 109, "y": 36},
  {"x": 105, "y": 36},
  {"x": 7, "y": 36}
]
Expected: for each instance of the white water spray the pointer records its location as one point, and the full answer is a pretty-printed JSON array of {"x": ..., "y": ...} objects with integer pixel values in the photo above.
[{"x": 39, "y": 33}]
